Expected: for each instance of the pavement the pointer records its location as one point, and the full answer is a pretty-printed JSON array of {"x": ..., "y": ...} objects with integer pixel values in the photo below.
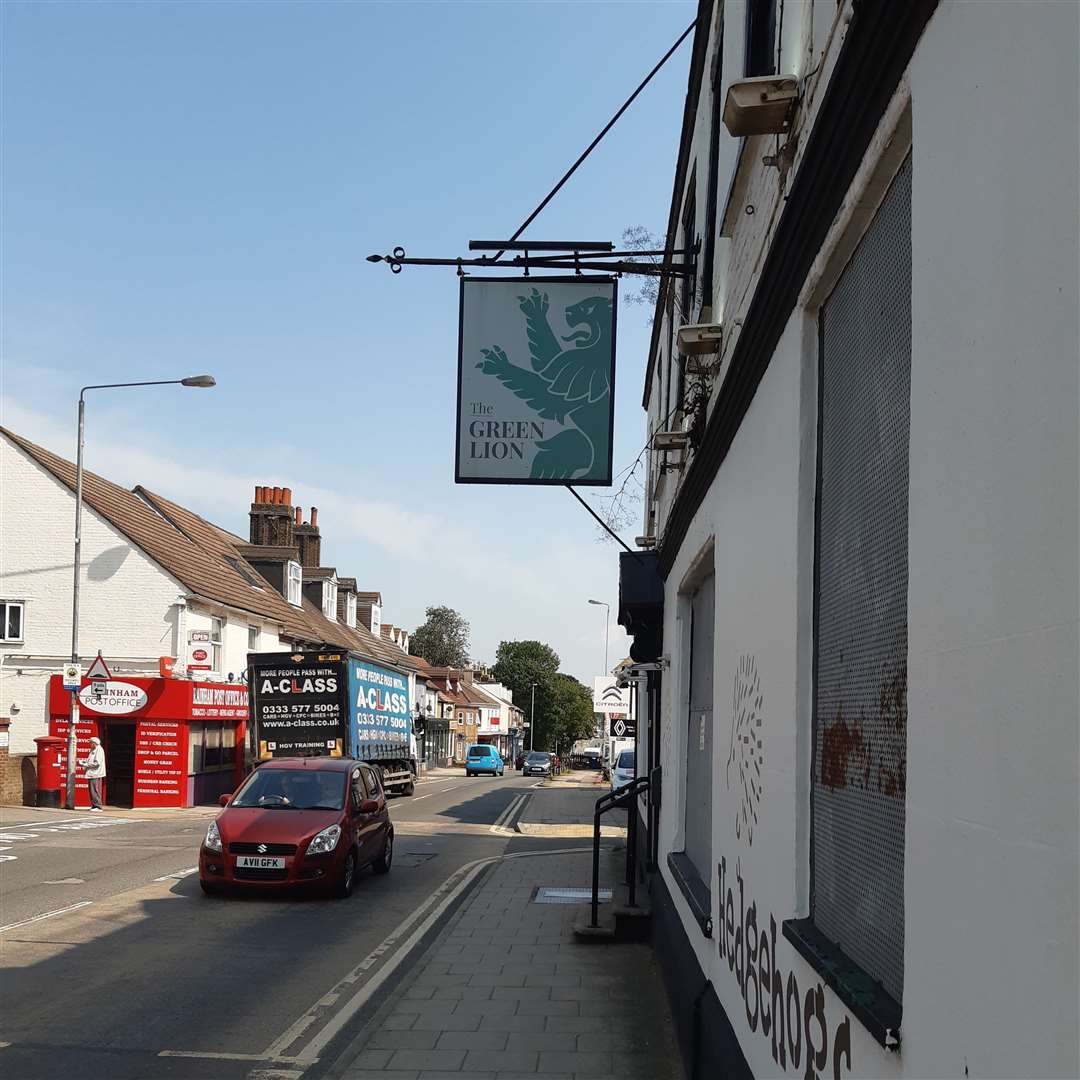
[
  {"x": 507, "y": 992},
  {"x": 113, "y": 965}
]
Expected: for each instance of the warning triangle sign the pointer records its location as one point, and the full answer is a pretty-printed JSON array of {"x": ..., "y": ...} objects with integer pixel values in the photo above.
[{"x": 98, "y": 669}]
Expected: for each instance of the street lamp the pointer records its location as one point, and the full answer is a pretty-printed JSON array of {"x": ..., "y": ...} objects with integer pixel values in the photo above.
[
  {"x": 532, "y": 717},
  {"x": 202, "y": 381},
  {"x": 607, "y": 621}
]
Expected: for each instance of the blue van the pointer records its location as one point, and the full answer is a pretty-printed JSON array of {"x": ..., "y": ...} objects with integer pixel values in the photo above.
[{"x": 483, "y": 758}]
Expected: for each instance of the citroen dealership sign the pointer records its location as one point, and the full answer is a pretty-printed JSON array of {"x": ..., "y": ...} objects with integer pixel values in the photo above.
[{"x": 536, "y": 380}]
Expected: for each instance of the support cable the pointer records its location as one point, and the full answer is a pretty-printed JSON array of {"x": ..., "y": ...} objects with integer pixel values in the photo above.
[{"x": 607, "y": 127}]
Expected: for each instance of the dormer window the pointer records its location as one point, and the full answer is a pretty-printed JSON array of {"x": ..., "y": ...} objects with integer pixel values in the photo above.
[
  {"x": 329, "y": 599},
  {"x": 295, "y": 583},
  {"x": 350, "y": 609}
]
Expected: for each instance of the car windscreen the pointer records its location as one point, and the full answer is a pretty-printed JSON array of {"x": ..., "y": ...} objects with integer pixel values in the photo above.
[
  {"x": 539, "y": 759},
  {"x": 626, "y": 760},
  {"x": 478, "y": 751},
  {"x": 292, "y": 789}
]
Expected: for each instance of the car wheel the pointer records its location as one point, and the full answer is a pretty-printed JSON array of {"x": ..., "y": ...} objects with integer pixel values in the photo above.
[
  {"x": 383, "y": 863},
  {"x": 209, "y": 889},
  {"x": 409, "y": 789},
  {"x": 347, "y": 881},
  {"x": 468, "y": 773},
  {"x": 501, "y": 772}
]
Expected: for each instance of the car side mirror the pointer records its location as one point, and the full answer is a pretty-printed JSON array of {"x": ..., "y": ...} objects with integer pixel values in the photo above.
[
  {"x": 224, "y": 800},
  {"x": 369, "y": 806}
]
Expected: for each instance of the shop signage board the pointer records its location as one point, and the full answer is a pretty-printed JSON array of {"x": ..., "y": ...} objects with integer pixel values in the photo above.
[
  {"x": 622, "y": 727},
  {"x": 536, "y": 380},
  {"x": 159, "y": 763},
  {"x": 299, "y": 703},
  {"x": 72, "y": 676},
  {"x": 608, "y": 697},
  {"x": 200, "y": 654}
]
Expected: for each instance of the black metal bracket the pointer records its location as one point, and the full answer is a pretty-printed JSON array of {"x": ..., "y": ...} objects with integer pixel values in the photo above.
[{"x": 569, "y": 256}]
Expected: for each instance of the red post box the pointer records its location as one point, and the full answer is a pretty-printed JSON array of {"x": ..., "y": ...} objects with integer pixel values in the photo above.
[{"x": 50, "y": 769}]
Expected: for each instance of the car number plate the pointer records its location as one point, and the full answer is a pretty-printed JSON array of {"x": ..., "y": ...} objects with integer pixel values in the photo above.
[{"x": 260, "y": 862}]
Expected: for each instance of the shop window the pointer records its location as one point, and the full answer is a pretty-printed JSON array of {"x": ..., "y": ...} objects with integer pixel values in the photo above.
[
  {"x": 253, "y": 639},
  {"x": 699, "y": 733},
  {"x": 195, "y": 748},
  {"x": 858, "y": 784},
  {"x": 11, "y": 620},
  {"x": 211, "y": 747},
  {"x": 216, "y": 632},
  {"x": 228, "y": 744},
  {"x": 295, "y": 585}
]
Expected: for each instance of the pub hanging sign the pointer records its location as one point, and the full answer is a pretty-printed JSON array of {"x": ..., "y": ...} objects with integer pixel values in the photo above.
[{"x": 536, "y": 380}]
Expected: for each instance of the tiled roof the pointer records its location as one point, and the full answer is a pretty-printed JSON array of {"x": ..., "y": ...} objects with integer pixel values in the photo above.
[
  {"x": 204, "y": 557},
  {"x": 371, "y": 597},
  {"x": 347, "y": 583},
  {"x": 316, "y": 573}
]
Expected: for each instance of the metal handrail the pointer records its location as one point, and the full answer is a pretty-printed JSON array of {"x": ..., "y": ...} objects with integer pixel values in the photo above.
[{"x": 625, "y": 796}]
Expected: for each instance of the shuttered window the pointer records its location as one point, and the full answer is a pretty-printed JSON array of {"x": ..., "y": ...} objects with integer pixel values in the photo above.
[{"x": 860, "y": 706}]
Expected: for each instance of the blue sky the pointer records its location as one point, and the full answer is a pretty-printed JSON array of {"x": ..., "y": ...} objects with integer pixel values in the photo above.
[{"x": 192, "y": 187}]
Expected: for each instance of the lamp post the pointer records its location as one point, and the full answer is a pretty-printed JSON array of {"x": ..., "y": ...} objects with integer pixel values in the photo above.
[
  {"x": 192, "y": 380},
  {"x": 607, "y": 622},
  {"x": 532, "y": 717}
]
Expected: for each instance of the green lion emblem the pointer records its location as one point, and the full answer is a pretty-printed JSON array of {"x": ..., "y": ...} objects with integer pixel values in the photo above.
[{"x": 569, "y": 385}]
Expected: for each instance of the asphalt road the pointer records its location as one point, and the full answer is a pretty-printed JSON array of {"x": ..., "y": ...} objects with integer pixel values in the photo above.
[{"x": 113, "y": 964}]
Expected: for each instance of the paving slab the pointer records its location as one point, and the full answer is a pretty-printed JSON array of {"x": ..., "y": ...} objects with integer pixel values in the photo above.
[{"x": 581, "y": 1010}]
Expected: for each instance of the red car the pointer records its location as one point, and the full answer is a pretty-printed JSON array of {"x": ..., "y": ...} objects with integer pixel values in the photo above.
[{"x": 314, "y": 821}]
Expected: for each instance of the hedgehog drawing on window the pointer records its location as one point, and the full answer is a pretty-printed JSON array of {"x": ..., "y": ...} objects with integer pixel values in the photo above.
[{"x": 745, "y": 752}]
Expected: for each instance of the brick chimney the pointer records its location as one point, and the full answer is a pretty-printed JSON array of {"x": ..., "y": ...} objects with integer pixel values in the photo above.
[
  {"x": 271, "y": 517},
  {"x": 306, "y": 538}
]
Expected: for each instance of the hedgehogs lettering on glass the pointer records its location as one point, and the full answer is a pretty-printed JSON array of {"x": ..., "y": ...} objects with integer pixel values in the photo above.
[{"x": 745, "y": 756}]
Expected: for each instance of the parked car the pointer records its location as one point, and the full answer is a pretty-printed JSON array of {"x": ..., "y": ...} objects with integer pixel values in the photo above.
[
  {"x": 537, "y": 763},
  {"x": 624, "y": 770},
  {"x": 314, "y": 821},
  {"x": 482, "y": 759},
  {"x": 519, "y": 761}
]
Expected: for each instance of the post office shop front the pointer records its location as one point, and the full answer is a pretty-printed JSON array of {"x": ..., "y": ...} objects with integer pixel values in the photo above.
[{"x": 167, "y": 742}]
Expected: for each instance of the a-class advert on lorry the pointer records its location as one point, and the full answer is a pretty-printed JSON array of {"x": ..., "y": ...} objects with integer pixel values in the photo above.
[{"x": 336, "y": 704}]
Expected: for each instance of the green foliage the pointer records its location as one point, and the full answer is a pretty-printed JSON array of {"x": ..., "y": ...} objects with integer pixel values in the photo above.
[
  {"x": 443, "y": 640},
  {"x": 563, "y": 705}
]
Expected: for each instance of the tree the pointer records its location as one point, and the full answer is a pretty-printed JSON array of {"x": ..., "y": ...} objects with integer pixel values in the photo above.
[
  {"x": 443, "y": 640},
  {"x": 519, "y": 664},
  {"x": 571, "y": 713}
]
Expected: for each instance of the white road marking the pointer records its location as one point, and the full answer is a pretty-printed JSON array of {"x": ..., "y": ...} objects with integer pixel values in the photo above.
[
  {"x": 430, "y": 793},
  {"x": 447, "y": 893},
  {"x": 212, "y": 1056},
  {"x": 499, "y": 828},
  {"x": 179, "y": 875},
  {"x": 66, "y": 881},
  {"x": 46, "y": 915}
]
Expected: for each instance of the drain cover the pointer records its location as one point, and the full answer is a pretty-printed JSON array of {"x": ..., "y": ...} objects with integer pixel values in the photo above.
[{"x": 560, "y": 894}]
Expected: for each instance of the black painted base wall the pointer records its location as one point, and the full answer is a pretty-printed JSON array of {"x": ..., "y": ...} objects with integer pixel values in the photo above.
[{"x": 704, "y": 1034}]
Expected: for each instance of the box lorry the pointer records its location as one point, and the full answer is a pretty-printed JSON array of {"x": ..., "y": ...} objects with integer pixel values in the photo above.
[{"x": 336, "y": 704}]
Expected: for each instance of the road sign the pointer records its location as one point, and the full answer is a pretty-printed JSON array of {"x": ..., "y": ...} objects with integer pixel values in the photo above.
[
  {"x": 72, "y": 675},
  {"x": 99, "y": 670},
  {"x": 623, "y": 729}
]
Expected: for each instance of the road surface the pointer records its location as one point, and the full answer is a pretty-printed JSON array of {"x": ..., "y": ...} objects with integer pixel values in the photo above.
[{"x": 114, "y": 965}]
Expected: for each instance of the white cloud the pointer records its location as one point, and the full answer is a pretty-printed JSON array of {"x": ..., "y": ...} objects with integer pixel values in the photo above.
[{"x": 509, "y": 582}]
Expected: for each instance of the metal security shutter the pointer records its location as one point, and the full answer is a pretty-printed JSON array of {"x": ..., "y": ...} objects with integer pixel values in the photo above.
[
  {"x": 860, "y": 721},
  {"x": 699, "y": 733}
]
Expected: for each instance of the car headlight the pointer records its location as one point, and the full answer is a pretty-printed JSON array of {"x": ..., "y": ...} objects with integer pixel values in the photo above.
[
  {"x": 324, "y": 842},
  {"x": 213, "y": 838}
]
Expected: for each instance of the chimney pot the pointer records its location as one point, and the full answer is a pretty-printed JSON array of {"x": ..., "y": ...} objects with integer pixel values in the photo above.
[
  {"x": 286, "y": 496},
  {"x": 314, "y": 516},
  {"x": 299, "y": 515},
  {"x": 258, "y": 491},
  {"x": 276, "y": 500}
]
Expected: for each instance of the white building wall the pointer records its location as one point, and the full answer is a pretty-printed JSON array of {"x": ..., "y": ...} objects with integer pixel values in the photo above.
[
  {"x": 129, "y": 606},
  {"x": 991, "y": 893}
]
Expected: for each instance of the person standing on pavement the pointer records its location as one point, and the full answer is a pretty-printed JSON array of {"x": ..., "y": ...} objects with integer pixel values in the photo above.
[{"x": 94, "y": 764}]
